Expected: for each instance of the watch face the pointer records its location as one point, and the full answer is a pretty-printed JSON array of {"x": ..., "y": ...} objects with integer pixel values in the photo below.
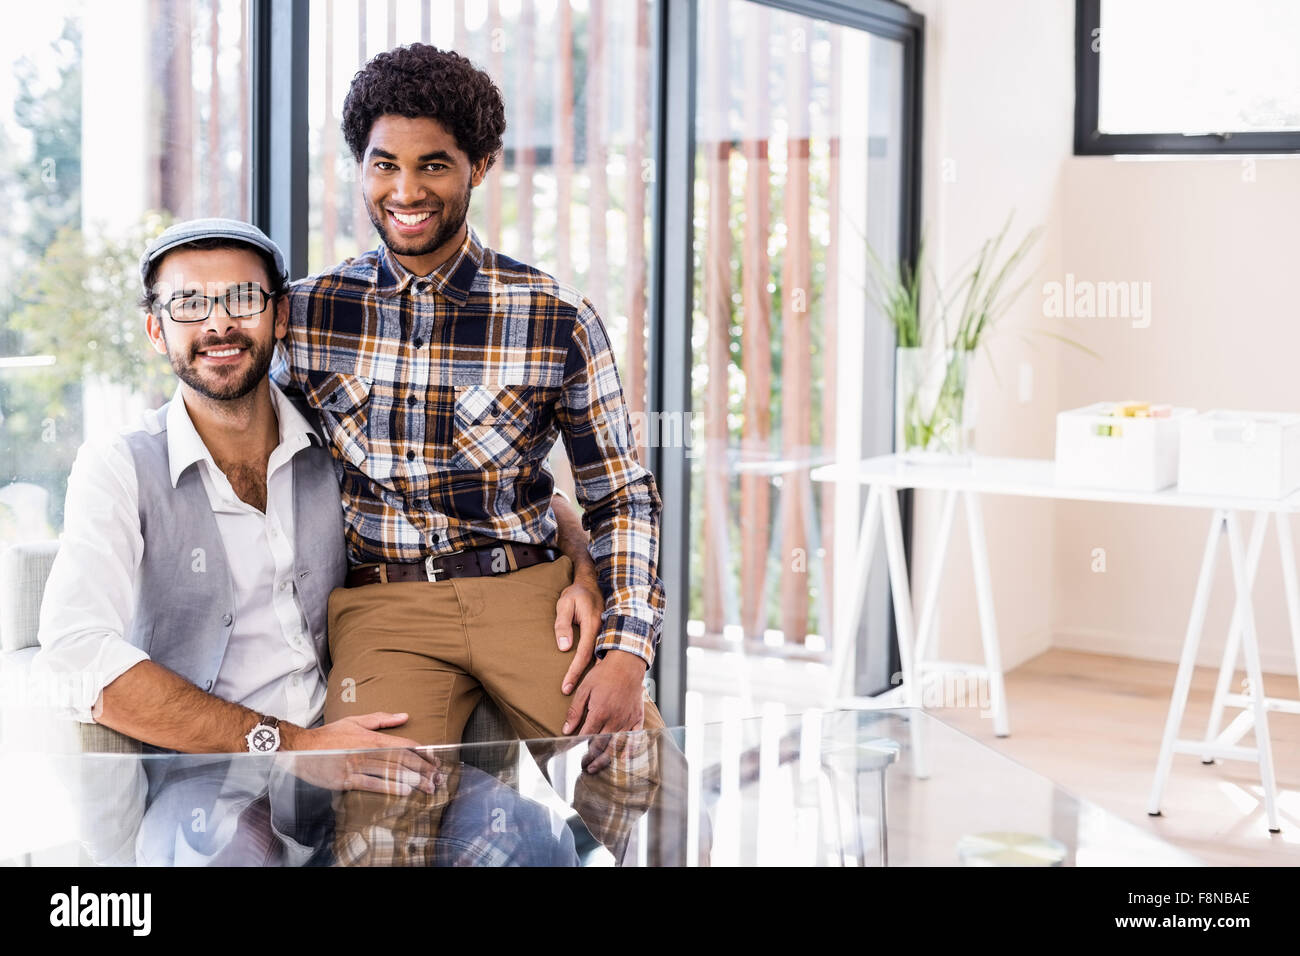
[{"x": 263, "y": 739}]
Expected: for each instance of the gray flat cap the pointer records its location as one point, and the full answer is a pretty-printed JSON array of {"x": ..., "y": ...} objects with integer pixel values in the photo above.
[{"x": 192, "y": 229}]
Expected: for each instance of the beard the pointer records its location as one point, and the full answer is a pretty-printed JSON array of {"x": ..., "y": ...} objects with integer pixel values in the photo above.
[
  {"x": 223, "y": 386},
  {"x": 450, "y": 219}
]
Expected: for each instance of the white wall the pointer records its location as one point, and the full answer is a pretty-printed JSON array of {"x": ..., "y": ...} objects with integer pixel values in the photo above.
[
  {"x": 997, "y": 135},
  {"x": 1219, "y": 241}
]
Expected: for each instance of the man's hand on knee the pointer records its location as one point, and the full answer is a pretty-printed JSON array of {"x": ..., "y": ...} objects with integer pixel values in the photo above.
[
  {"x": 393, "y": 769},
  {"x": 610, "y": 699},
  {"x": 579, "y": 604}
]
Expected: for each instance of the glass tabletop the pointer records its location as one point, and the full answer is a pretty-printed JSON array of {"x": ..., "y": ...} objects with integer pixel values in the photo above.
[{"x": 836, "y": 788}]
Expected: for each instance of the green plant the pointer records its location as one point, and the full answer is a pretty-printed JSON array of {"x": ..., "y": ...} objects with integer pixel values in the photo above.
[
  {"x": 984, "y": 297},
  {"x": 985, "y": 301},
  {"x": 897, "y": 293}
]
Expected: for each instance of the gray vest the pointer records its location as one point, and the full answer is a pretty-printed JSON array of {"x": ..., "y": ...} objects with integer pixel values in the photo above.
[{"x": 185, "y": 604}]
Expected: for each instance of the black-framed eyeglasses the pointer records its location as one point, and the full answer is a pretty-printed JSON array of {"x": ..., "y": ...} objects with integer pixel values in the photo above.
[{"x": 240, "y": 302}]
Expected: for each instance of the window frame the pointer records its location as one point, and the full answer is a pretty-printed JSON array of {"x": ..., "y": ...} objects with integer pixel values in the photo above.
[
  {"x": 672, "y": 276},
  {"x": 1090, "y": 141}
]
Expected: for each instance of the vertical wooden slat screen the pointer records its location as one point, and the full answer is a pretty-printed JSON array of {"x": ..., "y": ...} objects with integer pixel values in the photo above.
[
  {"x": 597, "y": 277},
  {"x": 562, "y": 139},
  {"x": 460, "y": 39},
  {"x": 524, "y": 109},
  {"x": 635, "y": 366},
  {"x": 360, "y": 218},
  {"x": 525, "y": 150},
  {"x": 214, "y": 112},
  {"x": 497, "y": 68},
  {"x": 245, "y": 124},
  {"x": 830, "y": 348},
  {"x": 716, "y": 144},
  {"x": 756, "y": 335},
  {"x": 176, "y": 162},
  {"x": 329, "y": 147},
  {"x": 796, "y": 362}
]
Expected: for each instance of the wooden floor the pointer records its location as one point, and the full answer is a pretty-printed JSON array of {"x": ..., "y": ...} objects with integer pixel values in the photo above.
[{"x": 1092, "y": 724}]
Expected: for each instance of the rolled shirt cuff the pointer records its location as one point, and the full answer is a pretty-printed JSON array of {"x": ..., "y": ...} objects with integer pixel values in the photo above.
[
  {"x": 74, "y": 692},
  {"x": 624, "y": 633}
]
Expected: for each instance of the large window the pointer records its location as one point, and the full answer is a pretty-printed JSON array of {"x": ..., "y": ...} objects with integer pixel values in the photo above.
[
  {"x": 114, "y": 118},
  {"x": 801, "y": 167},
  {"x": 1187, "y": 76}
]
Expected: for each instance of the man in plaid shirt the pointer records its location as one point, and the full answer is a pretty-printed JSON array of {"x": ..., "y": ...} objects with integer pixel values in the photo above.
[{"x": 444, "y": 371}]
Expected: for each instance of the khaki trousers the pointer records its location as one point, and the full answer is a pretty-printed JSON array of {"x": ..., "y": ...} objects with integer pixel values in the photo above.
[{"x": 432, "y": 650}]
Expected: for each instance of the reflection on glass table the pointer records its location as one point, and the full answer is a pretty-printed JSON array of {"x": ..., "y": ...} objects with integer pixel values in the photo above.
[{"x": 821, "y": 788}]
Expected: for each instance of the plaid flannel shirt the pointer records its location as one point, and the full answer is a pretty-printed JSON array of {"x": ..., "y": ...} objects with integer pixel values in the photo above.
[{"x": 443, "y": 396}]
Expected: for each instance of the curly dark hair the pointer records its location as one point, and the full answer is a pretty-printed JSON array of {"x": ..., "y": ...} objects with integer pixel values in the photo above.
[{"x": 418, "y": 81}]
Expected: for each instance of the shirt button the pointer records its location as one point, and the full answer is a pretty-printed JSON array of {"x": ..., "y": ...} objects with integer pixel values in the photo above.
[
  {"x": 419, "y": 342},
  {"x": 410, "y": 399},
  {"x": 410, "y": 455},
  {"x": 284, "y": 585},
  {"x": 226, "y": 619}
]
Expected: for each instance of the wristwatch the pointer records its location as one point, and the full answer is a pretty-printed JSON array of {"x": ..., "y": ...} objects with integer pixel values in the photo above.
[{"x": 264, "y": 738}]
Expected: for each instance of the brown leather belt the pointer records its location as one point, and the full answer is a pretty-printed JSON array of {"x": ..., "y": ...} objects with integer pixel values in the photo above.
[{"x": 471, "y": 563}]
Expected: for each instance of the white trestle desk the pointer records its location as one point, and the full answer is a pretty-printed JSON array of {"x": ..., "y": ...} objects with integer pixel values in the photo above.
[{"x": 1032, "y": 478}]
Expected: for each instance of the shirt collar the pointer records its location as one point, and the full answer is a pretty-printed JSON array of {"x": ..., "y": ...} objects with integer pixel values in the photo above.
[
  {"x": 453, "y": 279},
  {"x": 185, "y": 447}
]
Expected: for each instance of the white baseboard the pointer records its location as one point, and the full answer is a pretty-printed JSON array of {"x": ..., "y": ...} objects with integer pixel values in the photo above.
[
  {"x": 1165, "y": 648},
  {"x": 1027, "y": 647},
  {"x": 1014, "y": 652}
]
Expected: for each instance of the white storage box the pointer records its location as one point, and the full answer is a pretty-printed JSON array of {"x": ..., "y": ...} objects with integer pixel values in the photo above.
[
  {"x": 1098, "y": 450},
  {"x": 1245, "y": 454}
]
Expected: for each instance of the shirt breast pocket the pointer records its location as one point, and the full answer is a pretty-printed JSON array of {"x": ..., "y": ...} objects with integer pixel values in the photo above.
[
  {"x": 344, "y": 404},
  {"x": 493, "y": 426}
]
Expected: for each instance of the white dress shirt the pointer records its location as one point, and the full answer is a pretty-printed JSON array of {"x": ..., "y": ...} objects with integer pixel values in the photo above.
[{"x": 270, "y": 664}]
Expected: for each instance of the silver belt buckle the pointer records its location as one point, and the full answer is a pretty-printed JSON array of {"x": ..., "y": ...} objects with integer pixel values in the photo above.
[{"x": 430, "y": 571}]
